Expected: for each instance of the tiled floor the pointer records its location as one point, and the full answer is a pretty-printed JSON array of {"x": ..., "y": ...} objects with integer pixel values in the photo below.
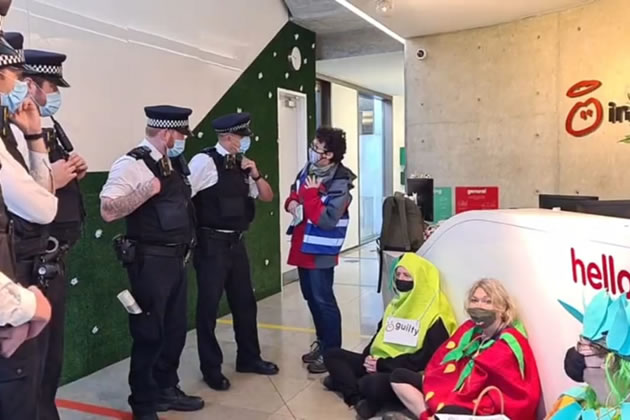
[{"x": 285, "y": 333}]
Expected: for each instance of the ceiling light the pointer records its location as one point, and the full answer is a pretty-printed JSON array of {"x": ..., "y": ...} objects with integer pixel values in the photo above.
[
  {"x": 384, "y": 6},
  {"x": 354, "y": 9}
]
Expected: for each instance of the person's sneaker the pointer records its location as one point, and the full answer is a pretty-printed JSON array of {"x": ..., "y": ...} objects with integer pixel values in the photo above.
[
  {"x": 365, "y": 410},
  {"x": 317, "y": 366},
  {"x": 311, "y": 356}
]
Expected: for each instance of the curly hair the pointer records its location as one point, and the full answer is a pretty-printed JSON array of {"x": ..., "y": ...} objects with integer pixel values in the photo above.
[{"x": 334, "y": 140}]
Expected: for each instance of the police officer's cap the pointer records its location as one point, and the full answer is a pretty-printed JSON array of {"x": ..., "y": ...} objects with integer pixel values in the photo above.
[
  {"x": 45, "y": 64},
  {"x": 237, "y": 123},
  {"x": 11, "y": 49},
  {"x": 169, "y": 117}
]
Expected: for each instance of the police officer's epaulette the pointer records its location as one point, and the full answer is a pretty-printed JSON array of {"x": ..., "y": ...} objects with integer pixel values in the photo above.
[{"x": 139, "y": 152}]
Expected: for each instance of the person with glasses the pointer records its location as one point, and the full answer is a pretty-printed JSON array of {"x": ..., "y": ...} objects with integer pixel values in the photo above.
[{"x": 319, "y": 202}]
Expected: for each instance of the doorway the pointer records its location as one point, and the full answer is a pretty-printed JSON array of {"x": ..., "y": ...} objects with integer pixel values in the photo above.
[{"x": 292, "y": 154}]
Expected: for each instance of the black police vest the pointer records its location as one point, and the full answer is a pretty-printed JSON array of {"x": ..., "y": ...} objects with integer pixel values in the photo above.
[
  {"x": 31, "y": 239},
  {"x": 169, "y": 217},
  {"x": 71, "y": 214},
  {"x": 7, "y": 250},
  {"x": 225, "y": 205}
]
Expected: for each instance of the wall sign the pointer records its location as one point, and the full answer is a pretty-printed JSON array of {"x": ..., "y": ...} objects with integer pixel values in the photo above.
[
  {"x": 476, "y": 198},
  {"x": 587, "y": 115},
  {"x": 442, "y": 203}
]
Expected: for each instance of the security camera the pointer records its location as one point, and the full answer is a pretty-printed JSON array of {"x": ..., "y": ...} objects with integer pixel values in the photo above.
[{"x": 421, "y": 54}]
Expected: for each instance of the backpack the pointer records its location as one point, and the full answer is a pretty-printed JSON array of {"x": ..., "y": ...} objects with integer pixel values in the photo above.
[{"x": 402, "y": 229}]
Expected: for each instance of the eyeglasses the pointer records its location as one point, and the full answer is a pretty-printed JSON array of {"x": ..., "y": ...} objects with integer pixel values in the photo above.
[{"x": 314, "y": 148}]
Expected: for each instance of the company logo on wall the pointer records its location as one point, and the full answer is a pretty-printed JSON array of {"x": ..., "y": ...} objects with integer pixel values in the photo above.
[{"x": 587, "y": 115}]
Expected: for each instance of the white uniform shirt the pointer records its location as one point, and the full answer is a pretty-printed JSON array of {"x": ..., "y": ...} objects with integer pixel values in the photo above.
[
  {"x": 38, "y": 163},
  {"x": 204, "y": 174},
  {"x": 22, "y": 195},
  {"x": 17, "y": 304},
  {"x": 128, "y": 174}
]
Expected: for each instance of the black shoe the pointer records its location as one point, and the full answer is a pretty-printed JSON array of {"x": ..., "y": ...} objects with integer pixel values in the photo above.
[
  {"x": 175, "y": 399},
  {"x": 260, "y": 367},
  {"x": 317, "y": 366},
  {"x": 316, "y": 351},
  {"x": 217, "y": 382},
  {"x": 329, "y": 383},
  {"x": 365, "y": 410},
  {"x": 151, "y": 416}
]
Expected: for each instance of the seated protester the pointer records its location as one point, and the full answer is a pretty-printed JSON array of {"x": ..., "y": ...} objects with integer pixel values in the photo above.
[
  {"x": 601, "y": 360},
  {"x": 490, "y": 350},
  {"x": 427, "y": 321}
]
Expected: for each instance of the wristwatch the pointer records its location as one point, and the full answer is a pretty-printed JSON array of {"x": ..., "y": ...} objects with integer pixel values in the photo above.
[
  {"x": 33, "y": 137},
  {"x": 257, "y": 178}
]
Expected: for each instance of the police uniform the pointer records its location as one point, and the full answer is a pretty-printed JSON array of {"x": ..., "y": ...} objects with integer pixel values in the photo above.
[
  {"x": 66, "y": 228},
  {"x": 160, "y": 234},
  {"x": 29, "y": 207},
  {"x": 225, "y": 206}
]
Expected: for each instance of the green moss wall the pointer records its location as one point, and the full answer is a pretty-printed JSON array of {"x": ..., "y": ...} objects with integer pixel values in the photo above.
[{"x": 96, "y": 325}]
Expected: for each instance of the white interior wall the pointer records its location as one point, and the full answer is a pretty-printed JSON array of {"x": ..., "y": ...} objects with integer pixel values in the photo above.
[
  {"x": 344, "y": 107},
  {"x": 124, "y": 55}
]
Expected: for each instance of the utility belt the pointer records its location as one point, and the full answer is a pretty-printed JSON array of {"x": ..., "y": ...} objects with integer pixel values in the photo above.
[
  {"x": 128, "y": 250},
  {"x": 46, "y": 266},
  {"x": 206, "y": 235}
]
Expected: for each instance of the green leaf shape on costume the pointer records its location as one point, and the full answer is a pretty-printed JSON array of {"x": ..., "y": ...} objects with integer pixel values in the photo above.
[
  {"x": 463, "y": 348},
  {"x": 515, "y": 346},
  {"x": 465, "y": 374}
]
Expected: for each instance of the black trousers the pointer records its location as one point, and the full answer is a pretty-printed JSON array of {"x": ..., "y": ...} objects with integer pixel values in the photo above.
[
  {"x": 159, "y": 333},
  {"x": 51, "y": 345},
  {"x": 352, "y": 380},
  {"x": 20, "y": 375},
  {"x": 224, "y": 264}
]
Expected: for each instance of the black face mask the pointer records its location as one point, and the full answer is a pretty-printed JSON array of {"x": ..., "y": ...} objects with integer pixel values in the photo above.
[
  {"x": 574, "y": 365},
  {"x": 482, "y": 317},
  {"x": 404, "y": 286}
]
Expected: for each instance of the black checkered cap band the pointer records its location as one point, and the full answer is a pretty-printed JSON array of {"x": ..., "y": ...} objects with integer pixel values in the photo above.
[
  {"x": 155, "y": 123},
  {"x": 44, "y": 69},
  {"x": 11, "y": 60},
  {"x": 234, "y": 129}
]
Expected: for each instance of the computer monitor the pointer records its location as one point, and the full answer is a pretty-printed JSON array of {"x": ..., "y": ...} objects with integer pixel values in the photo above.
[
  {"x": 611, "y": 208},
  {"x": 423, "y": 187},
  {"x": 564, "y": 202}
]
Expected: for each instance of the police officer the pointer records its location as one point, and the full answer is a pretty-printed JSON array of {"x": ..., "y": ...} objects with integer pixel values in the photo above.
[
  {"x": 150, "y": 189},
  {"x": 228, "y": 184},
  {"x": 46, "y": 70},
  {"x": 29, "y": 207}
]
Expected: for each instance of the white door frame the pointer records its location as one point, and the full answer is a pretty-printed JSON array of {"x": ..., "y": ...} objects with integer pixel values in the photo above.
[{"x": 302, "y": 110}]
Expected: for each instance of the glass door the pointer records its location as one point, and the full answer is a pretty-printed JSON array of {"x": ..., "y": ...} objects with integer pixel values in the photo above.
[{"x": 371, "y": 166}]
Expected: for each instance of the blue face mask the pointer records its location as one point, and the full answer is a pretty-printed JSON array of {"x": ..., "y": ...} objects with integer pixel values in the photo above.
[
  {"x": 14, "y": 99},
  {"x": 245, "y": 143},
  {"x": 177, "y": 149},
  {"x": 53, "y": 103}
]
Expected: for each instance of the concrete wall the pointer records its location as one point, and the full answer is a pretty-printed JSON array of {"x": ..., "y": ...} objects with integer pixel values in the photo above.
[
  {"x": 488, "y": 106},
  {"x": 398, "y": 111}
]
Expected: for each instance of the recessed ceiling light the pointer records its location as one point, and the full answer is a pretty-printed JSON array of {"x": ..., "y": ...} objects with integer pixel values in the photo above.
[{"x": 354, "y": 9}]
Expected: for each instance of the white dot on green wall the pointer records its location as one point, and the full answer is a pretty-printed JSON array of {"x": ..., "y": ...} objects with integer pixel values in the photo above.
[
  {"x": 297, "y": 36},
  {"x": 306, "y": 61},
  {"x": 266, "y": 262},
  {"x": 239, "y": 109},
  {"x": 275, "y": 54},
  {"x": 260, "y": 75},
  {"x": 257, "y": 138},
  {"x": 301, "y": 88},
  {"x": 95, "y": 330},
  {"x": 286, "y": 75},
  {"x": 266, "y": 176},
  {"x": 74, "y": 281},
  {"x": 270, "y": 213},
  {"x": 270, "y": 95},
  {"x": 200, "y": 134},
  {"x": 98, "y": 233},
  {"x": 313, "y": 46}
]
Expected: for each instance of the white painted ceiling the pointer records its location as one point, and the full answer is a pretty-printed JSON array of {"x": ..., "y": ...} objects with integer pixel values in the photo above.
[
  {"x": 382, "y": 73},
  {"x": 412, "y": 18}
]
